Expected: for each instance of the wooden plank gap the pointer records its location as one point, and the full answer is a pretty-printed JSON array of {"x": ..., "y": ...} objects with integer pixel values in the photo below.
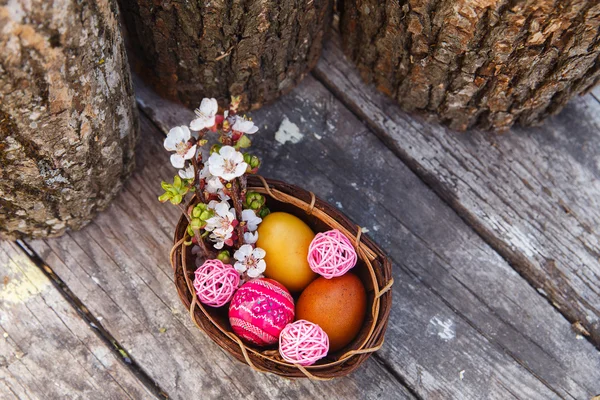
[
  {"x": 93, "y": 322},
  {"x": 386, "y": 364}
]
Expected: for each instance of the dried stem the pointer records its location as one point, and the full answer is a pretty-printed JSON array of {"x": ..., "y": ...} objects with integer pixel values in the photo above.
[
  {"x": 199, "y": 191},
  {"x": 236, "y": 198}
]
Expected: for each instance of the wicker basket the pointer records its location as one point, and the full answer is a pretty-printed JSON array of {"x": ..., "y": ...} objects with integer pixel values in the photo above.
[{"x": 373, "y": 268}]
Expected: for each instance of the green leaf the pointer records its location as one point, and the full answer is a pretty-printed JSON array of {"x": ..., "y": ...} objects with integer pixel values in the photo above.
[
  {"x": 216, "y": 148},
  {"x": 165, "y": 185},
  {"x": 177, "y": 182},
  {"x": 164, "y": 197},
  {"x": 243, "y": 143},
  {"x": 176, "y": 199}
]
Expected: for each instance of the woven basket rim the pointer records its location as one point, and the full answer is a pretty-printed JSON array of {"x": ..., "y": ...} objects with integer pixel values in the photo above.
[{"x": 375, "y": 260}]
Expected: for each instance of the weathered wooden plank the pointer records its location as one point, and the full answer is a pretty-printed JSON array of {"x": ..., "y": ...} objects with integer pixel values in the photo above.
[
  {"x": 118, "y": 266},
  {"x": 533, "y": 194},
  {"x": 47, "y": 351},
  {"x": 458, "y": 306},
  {"x": 596, "y": 93}
]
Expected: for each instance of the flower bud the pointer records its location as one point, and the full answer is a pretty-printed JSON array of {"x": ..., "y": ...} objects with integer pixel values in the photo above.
[
  {"x": 190, "y": 231},
  {"x": 202, "y": 212},
  {"x": 254, "y": 200},
  {"x": 196, "y": 223},
  {"x": 224, "y": 256},
  {"x": 206, "y": 214},
  {"x": 252, "y": 161},
  {"x": 264, "y": 212}
]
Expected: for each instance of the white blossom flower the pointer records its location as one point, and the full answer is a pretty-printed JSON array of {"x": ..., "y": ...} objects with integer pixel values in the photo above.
[
  {"x": 250, "y": 237},
  {"x": 228, "y": 163},
  {"x": 177, "y": 141},
  {"x": 206, "y": 115},
  {"x": 243, "y": 125},
  {"x": 213, "y": 183},
  {"x": 250, "y": 261},
  {"x": 204, "y": 172},
  {"x": 252, "y": 220},
  {"x": 187, "y": 173},
  {"x": 222, "y": 195},
  {"x": 221, "y": 238},
  {"x": 222, "y": 222}
]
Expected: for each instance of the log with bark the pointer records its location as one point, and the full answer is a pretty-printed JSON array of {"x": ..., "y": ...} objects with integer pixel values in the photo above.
[
  {"x": 256, "y": 49},
  {"x": 476, "y": 63},
  {"x": 68, "y": 122}
]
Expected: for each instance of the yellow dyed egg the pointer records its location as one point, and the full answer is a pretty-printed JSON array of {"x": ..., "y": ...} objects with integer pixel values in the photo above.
[{"x": 286, "y": 239}]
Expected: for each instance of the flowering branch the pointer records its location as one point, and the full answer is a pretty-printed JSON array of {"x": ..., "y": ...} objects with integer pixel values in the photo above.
[{"x": 223, "y": 214}]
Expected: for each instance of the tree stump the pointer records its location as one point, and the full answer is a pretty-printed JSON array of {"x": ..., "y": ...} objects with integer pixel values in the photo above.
[
  {"x": 68, "y": 121},
  {"x": 476, "y": 63},
  {"x": 255, "y": 49}
]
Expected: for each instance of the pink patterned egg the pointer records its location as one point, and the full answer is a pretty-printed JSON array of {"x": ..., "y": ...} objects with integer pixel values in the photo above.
[{"x": 259, "y": 311}]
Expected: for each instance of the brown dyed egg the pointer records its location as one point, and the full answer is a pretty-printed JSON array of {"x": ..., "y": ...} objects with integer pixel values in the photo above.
[
  {"x": 286, "y": 239},
  {"x": 337, "y": 305}
]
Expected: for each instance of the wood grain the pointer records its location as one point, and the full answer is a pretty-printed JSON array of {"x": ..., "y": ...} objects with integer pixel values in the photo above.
[
  {"x": 46, "y": 350},
  {"x": 458, "y": 306},
  {"x": 532, "y": 194},
  {"x": 68, "y": 120},
  {"x": 258, "y": 49},
  {"x": 488, "y": 64}
]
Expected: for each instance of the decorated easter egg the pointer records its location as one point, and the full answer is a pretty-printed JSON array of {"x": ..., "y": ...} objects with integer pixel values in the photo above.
[
  {"x": 338, "y": 305},
  {"x": 286, "y": 239},
  {"x": 259, "y": 311}
]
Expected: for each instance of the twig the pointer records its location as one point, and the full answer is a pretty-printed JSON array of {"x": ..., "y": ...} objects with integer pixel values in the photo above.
[
  {"x": 199, "y": 191},
  {"x": 237, "y": 204},
  {"x": 224, "y": 54}
]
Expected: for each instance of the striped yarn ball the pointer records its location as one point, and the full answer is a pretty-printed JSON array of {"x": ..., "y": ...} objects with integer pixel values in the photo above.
[
  {"x": 215, "y": 283},
  {"x": 259, "y": 311},
  {"x": 331, "y": 254},
  {"x": 303, "y": 343}
]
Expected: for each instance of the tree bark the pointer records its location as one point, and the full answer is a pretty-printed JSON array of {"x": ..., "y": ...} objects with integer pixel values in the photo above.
[
  {"x": 257, "y": 49},
  {"x": 476, "y": 63},
  {"x": 68, "y": 121}
]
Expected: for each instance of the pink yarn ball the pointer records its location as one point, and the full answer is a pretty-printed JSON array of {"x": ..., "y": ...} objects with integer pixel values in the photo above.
[
  {"x": 331, "y": 254},
  {"x": 215, "y": 282},
  {"x": 259, "y": 311},
  {"x": 303, "y": 343}
]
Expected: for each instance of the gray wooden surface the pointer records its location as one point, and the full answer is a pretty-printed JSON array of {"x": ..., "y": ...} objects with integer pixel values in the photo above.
[
  {"x": 464, "y": 323},
  {"x": 46, "y": 350},
  {"x": 447, "y": 275},
  {"x": 533, "y": 194}
]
